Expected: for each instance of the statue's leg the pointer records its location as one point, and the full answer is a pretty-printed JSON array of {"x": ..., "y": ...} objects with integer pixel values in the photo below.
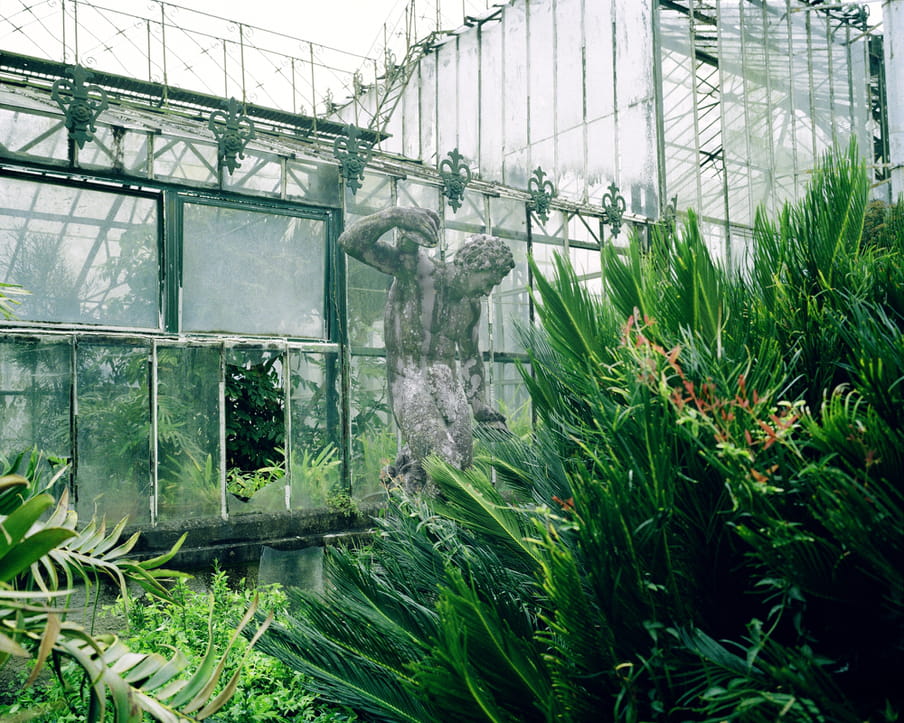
[
  {"x": 456, "y": 442},
  {"x": 432, "y": 412}
]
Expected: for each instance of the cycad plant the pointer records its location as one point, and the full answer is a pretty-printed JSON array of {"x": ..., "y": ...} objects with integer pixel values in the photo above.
[{"x": 704, "y": 525}]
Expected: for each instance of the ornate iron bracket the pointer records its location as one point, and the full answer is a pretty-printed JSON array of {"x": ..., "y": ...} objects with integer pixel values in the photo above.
[
  {"x": 233, "y": 129},
  {"x": 352, "y": 154},
  {"x": 81, "y": 103},
  {"x": 456, "y": 175},
  {"x": 614, "y": 206},
  {"x": 540, "y": 194}
]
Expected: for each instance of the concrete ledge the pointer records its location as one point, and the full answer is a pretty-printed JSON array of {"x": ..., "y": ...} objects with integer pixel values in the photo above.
[{"x": 239, "y": 540}]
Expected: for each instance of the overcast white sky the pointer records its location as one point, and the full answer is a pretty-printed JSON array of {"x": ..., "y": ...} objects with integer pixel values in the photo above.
[{"x": 352, "y": 25}]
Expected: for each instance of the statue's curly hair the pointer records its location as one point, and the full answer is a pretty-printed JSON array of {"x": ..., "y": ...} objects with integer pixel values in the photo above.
[{"x": 482, "y": 252}]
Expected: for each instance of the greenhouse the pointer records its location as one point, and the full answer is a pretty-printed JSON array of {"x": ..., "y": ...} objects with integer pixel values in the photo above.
[{"x": 172, "y": 187}]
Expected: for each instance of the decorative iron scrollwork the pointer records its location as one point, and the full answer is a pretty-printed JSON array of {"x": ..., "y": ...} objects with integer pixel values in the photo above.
[
  {"x": 456, "y": 176},
  {"x": 80, "y": 102},
  {"x": 614, "y": 206},
  {"x": 541, "y": 192},
  {"x": 352, "y": 152},
  {"x": 233, "y": 129}
]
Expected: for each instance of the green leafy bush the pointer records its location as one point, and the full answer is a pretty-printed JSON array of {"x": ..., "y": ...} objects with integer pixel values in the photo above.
[
  {"x": 44, "y": 555},
  {"x": 264, "y": 690},
  {"x": 704, "y": 525},
  {"x": 267, "y": 690}
]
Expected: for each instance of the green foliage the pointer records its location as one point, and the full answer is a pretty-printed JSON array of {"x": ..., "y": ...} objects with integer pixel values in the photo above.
[
  {"x": 704, "y": 525},
  {"x": 266, "y": 689},
  {"x": 43, "y": 555},
  {"x": 244, "y": 484},
  {"x": 255, "y": 421},
  {"x": 7, "y": 291}
]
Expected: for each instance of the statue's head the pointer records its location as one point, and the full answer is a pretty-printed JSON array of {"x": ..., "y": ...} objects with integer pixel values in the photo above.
[{"x": 486, "y": 257}]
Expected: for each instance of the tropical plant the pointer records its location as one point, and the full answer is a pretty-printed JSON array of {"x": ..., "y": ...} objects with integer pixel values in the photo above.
[
  {"x": 255, "y": 420},
  {"x": 7, "y": 292},
  {"x": 704, "y": 524},
  {"x": 266, "y": 690},
  {"x": 43, "y": 556}
]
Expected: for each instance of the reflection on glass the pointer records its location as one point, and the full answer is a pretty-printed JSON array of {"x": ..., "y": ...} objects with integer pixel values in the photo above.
[
  {"x": 252, "y": 272},
  {"x": 114, "y": 429},
  {"x": 86, "y": 256},
  {"x": 35, "y": 385},
  {"x": 373, "y": 430},
  {"x": 315, "y": 470},
  {"x": 188, "y": 432}
]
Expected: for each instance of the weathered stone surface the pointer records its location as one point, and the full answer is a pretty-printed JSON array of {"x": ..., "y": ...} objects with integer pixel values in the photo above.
[{"x": 434, "y": 368}]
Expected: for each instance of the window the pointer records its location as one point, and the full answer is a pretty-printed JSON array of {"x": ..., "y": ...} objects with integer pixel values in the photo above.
[
  {"x": 85, "y": 256},
  {"x": 256, "y": 271}
]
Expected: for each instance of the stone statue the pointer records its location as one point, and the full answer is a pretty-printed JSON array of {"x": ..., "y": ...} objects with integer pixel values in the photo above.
[{"x": 434, "y": 368}]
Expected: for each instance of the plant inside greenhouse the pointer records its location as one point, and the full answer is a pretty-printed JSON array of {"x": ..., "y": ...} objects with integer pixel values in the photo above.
[
  {"x": 705, "y": 523},
  {"x": 45, "y": 553}
]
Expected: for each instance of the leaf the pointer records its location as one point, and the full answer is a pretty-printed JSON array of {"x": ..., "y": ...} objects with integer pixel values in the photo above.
[
  {"x": 30, "y": 550},
  {"x": 17, "y": 524}
]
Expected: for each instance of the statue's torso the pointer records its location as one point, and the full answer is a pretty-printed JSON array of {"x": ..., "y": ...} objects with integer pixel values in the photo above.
[{"x": 425, "y": 317}]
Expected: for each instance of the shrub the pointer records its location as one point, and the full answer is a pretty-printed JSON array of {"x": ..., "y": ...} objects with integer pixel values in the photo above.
[
  {"x": 704, "y": 525},
  {"x": 43, "y": 555}
]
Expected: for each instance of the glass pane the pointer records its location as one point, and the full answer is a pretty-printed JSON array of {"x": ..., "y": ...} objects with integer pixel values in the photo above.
[
  {"x": 506, "y": 308},
  {"x": 447, "y": 115},
  {"x": 316, "y": 464},
  {"x": 511, "y": 397},
  {"x": 114, "y": 428},
  {"x": 32, "y": 134},
  {"x": 636, "y": 137},
  {"x": 374, "y": 436},
  {"x": 471, "y": 215},
  {"x": 116, "y": 148},
  {"x": 374, "y": 195},
  {"x": 428, "y": 103},
  {"x": 313, "y": 182},
  {"x": 543, "y": 257},
  {"x": 586, "y": 264},
  {"x": 466, "y": 132},
  {"x": 492, "y": 68},
  {"x": 185, "y": 161},
  {"x": 35, "y": 384},
  {"x": 821, "y": 90},
  {"x": 257, "y": 173},
  {"x": 679, "y": 108},
  {"x": 569, "y": 66},
  {"x": 542, "y": 66},
  {"x": 86, "y": 256},
  {"x": 419, "y": 195},
  {"x": 255, "y": 431},
  {"x": 553, "y": 230},
  {"x": 599, "y": 75},
  {"x": 515, "y": 83},
  {"x": 252, "y": 272},
  {"x": 188, "y": 432},
  {"x": 367, "y": 290},
  {"x": 509, "y": 302}
]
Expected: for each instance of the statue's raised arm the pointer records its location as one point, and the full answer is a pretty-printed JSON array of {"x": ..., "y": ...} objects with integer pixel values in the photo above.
[{"x": 364, "y": 240}]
